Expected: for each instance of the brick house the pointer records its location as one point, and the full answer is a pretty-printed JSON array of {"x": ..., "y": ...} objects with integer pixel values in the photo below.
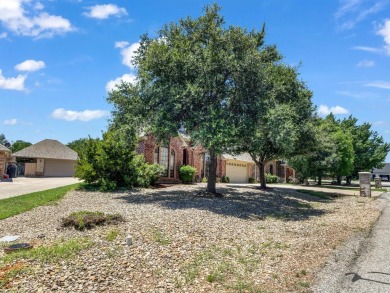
[
  {"x": 5, "y": 155},
  {"x": 179, "y": 151}
]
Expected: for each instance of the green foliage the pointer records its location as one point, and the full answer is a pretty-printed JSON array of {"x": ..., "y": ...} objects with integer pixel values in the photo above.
[
  {"x": 88, "y": 220},
  {"x": 54, "y": 253},
  {"x": 225, "y": 179},
  {"x": 187, "y": 173},
  {"x": 3, "y": 140},
  {"x": 204, "y": 179},
  {"x": 15, "y": 205},
  {"x": 19, "y": 145},
  {"x": 269, "y": 178},
  {"x": 369, "y": 148},
  {"x": 194, "y": 74},
  {"x": 112, "y": 162},
  {"x": 251, "y": 180},
  {"x": 78, "y": 145},
  {"x": 112, "y": 235}
]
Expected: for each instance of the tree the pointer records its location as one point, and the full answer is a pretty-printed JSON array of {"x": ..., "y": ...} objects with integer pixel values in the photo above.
[
  {"x": 332, "y": 154},
  {"x": 78, "y": 145},
  {"x": 4, "y": 141},
  {"x": 190, "y": 76},
  {"x": 19, "y": 145},
  {"x": 278, "y": 125},
  {"x": 369, "y": 148}
]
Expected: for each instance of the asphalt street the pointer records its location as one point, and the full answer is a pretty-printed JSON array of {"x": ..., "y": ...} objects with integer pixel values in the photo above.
[{"x": 364, "y": 265}]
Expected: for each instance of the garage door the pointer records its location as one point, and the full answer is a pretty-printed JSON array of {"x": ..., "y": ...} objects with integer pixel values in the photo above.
[
  {"x": 237, "y": 172},
  {"x": 58, "y": 168}
]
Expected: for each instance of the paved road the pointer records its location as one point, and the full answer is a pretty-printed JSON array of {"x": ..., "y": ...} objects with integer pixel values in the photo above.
[
  {"x": 369, "y": 269},
  {"x": 24, "y": 185}
]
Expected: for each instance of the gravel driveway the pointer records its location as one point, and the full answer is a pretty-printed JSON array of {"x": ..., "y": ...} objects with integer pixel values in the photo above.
[{"x": 24, "y": 185}]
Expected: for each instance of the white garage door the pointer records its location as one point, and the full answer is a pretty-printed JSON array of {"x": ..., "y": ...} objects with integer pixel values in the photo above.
[
  {"x": 58, "y": 168},
  {"x": 237, "y": 172}
]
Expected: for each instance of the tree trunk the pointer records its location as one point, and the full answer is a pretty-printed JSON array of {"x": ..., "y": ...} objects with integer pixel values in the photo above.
[
  {"x": 348, "y": 180},
  {"x": 339, "y": 178},
  {"x": 263, "y": 183},
  {"x": 319, "y": 180},
  {"x": 211, "y": 180}
]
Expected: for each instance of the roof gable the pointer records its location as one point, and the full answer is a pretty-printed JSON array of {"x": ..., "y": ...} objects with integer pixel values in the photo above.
[
  {"x": 47, "y": 149},
  {"x": 4, "y": 149}
]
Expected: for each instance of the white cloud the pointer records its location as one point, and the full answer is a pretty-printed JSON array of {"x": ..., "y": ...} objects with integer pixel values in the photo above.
[
  {"x": 127, "y": 52},
  {"x": 324, "y": 110},
  {"x": 125, "y": 78},
  {"x": 384, "y": 31},
  {"x": 351, "y": 12},
  {"x": 12, "y": 83},
  {"x": 30, "y": 65},
  {"x": 379, "y": 84},
  {"x": 366, "y": 63},
  {"x": 20, "y": 17},
  {"x": 10, "y": 121},
  {"x": 85, "y": 115},
  {"x": 105, "y": 11},
  {"x": 367, "y": 49},
  {"x": 3, "y": 35}
]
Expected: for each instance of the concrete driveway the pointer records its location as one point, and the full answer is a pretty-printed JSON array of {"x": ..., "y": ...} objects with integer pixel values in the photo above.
[{"x": 24, "y": 185}]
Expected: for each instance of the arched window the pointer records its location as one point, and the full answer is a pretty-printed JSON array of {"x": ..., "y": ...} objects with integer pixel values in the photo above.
[
  {"x": 164, "y": 160},
  {"x": 271, "y": 169},
  {"x": 156, "y": 159},
  {"x": 172, "y": 164}
]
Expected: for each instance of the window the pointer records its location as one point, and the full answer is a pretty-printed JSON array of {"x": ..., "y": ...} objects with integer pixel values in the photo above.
[
  {"x": 271, "y": 169},
  {"x": 205, "y": 170},
  {"x": 164, "y": 160},
  {"x": 156, "y": 155},
  {"x": 172, "y": 164},
  {"x": 184, "y": 157}
]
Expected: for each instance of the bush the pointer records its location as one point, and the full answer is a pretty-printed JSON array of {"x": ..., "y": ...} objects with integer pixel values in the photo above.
[
  {"x": 225, "y": 179},
  {"x": 112, "y": 163},
  {"x": 87, "y": 220},
  {"x": 204, "y": 179},
  {"x": 269, "y": 178},
  {"x": 251, "y": 180},
  {"x": 187, "y": 173}
]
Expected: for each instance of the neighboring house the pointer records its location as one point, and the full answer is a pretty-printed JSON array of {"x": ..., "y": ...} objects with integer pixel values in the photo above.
[
  {"x": 5, "y": 155},
  {"x": 383, "y": 172},
  {"x": 48, "y": 158},
  {"x": 179, "y": 151}
]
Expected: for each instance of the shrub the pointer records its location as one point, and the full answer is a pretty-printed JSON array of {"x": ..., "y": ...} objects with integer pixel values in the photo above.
[
  {"x": 269, "y": 178},
  {"x": 204, "y": 179},
  {"x": 225, "y": 179},
  {"x": 87, "y": 220},
  {"x": 251, "y": 180},
  {"x": 112, "y": 163},
  {"x": 187, "y": 173},
  {"x": 218, "y": 180}
]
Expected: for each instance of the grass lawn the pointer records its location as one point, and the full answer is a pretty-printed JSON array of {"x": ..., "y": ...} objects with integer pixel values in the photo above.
[{"x": 15, "y": 205}]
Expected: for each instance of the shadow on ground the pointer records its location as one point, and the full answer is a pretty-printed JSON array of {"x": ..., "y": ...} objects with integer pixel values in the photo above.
[{"x": 240, "y": 202}]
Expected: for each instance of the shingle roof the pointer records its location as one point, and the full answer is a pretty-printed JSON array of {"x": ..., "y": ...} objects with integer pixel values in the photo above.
[
  {"x": 4, "y": 149},
  {"x": 47, "y": 149},
  {"x": 384, "y": 171},
  {"x": 241, "y": 157}
]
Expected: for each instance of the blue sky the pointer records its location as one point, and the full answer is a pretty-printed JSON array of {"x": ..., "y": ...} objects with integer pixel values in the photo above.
[{"x": 58, "y": 58}]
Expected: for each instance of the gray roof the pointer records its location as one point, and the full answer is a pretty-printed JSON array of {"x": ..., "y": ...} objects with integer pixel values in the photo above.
[
  {"x": 4, "y": 149},
  {"x": 47, "y": 149},
  {"x": 241, "y": 157},
  {"x": 384, "y": 171}
]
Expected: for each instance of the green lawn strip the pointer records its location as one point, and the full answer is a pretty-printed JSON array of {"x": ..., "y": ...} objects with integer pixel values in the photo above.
[
  {"x": 320, "y": 194},
  {"x": 15, "y": 205},
  {"x": 57, "y": 251}
]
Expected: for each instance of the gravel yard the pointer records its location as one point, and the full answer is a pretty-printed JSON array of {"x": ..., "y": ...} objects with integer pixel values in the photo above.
[{"x": 184, "y": 241}]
